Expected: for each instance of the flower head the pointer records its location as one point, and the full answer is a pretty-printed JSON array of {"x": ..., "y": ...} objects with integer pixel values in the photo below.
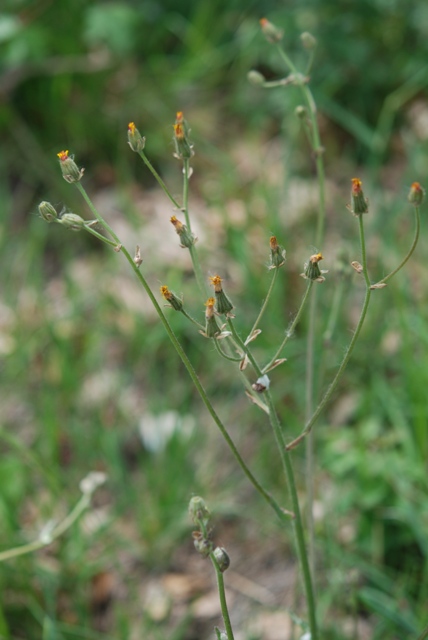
[
  {"x": 416, "y": 194},
  {"x": 70, "y": 170},
  {"x": 170, "y": 297},
  {"x": 187, "y": 239},
  {"x": 312, "y": 270},
  {"x": 277, "y": 254},
  {"x": 223, "y": 304},
  {"x": 182, "y": 144},
  {"x": 212, "y": 329},
  {"x": 359, "y": 203},
  {"x": 270, "y": 31},
  {"x": 135, "y": 139}
]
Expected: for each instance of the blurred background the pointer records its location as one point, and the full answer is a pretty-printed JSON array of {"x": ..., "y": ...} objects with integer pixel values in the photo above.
[{"x": 88, "y": 379}]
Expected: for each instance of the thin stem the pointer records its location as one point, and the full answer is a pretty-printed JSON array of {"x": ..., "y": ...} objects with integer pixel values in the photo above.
[
  {"x": 288, "y": 469},
  {"x": 318, "y": 151},
  {"x": 57, "y": 531},
  {"x": 192, "y": 250},
  {"x": 334, "y": 311},
  {"x": 192, "y": 373},
  {"x": 180, "y": 351},
  {"x": 309, "y": 407},
  {"x": 297, "y": 521},
  {"x": 100, "y": 219},
  {"x": 411, "y": 250},
  {"x": 225, "y": 355},
  {"x": 195, "y": 322},
  {"x": 265, "y": 303},
  {"x": 291, "y": 328},
  {"x": 243, "y": 346},
  {"x": 100, "y": 236},
  {"x": 310, "y": 423},
  {"x": 222, "y": 596},
  {"x": 159, "y": 179}
]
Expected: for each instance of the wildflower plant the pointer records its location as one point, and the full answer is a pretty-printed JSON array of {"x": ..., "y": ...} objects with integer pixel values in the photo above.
[{"x": 223, "y": 325}]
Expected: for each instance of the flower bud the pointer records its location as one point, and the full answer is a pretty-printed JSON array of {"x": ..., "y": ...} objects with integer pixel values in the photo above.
[
  {"x": 72, "y": 221},
  {"x": 173, "y": 300},
  {"x": 255, "y": 78},
  {"x": 135, "y": 139},
  {"x": 187, "y": 238},
  {"x": 182, "y": 144},
  {"x": 359, "y": 204},
  {"x": 221, "y": 635},
  {"x": 223, "y": 304},
  {"x": 270, "y": 31},
  {"x": 203, "y": 545},
  {"x": 308, "y": 40},
  {"x": 301, "y": 112},
  {"x": 47, "y": 212},
  {"x": 277, "y": 254},
  {"x": 70, "y": 170},
  {"x": 222, "y": 558},
  {"x": 416, "y": 194},
  {"x": 198, "y": 510},
  {"x": 312, "y": 270}
]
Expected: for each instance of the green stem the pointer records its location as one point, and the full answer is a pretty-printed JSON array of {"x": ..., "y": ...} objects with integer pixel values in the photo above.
[
  {"x": 159, "y": 179},
  {"x": 100, "y": 236},
  {"x": 243, "y": 346},
  {"x": 100, "y": 219},
  {"x": 225, "y": 355},
  {"x": 57, "y": 531},
  {"x": 192, "y": 250},
  {"x": 297, "y": 521},
  {"x": 291, "y": 328},
  {"x": 289, "y": 474},
  {"x": 309, "y": 407},
  {"x": 317, "y": 149},
  {"x": 265, "y": 303},
  {"x": 310, "y": 423},
  {"x": 411, "y": 250},
  {"x": 195, "y": 322},
  {"x": 192, "y": 373},
  {"x": 222, "y": 596},
  {"x": 182, "y": 354}
]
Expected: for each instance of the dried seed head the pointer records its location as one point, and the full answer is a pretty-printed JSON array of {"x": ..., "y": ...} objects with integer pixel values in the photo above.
[
  {"x": 357, "y": 266},
  {"x": 261, "y": 384},
  {"x": 137, "y": 257}
]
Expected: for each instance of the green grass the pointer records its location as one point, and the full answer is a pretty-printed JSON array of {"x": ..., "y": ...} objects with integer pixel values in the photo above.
[{"x": 83, "y": 360}]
